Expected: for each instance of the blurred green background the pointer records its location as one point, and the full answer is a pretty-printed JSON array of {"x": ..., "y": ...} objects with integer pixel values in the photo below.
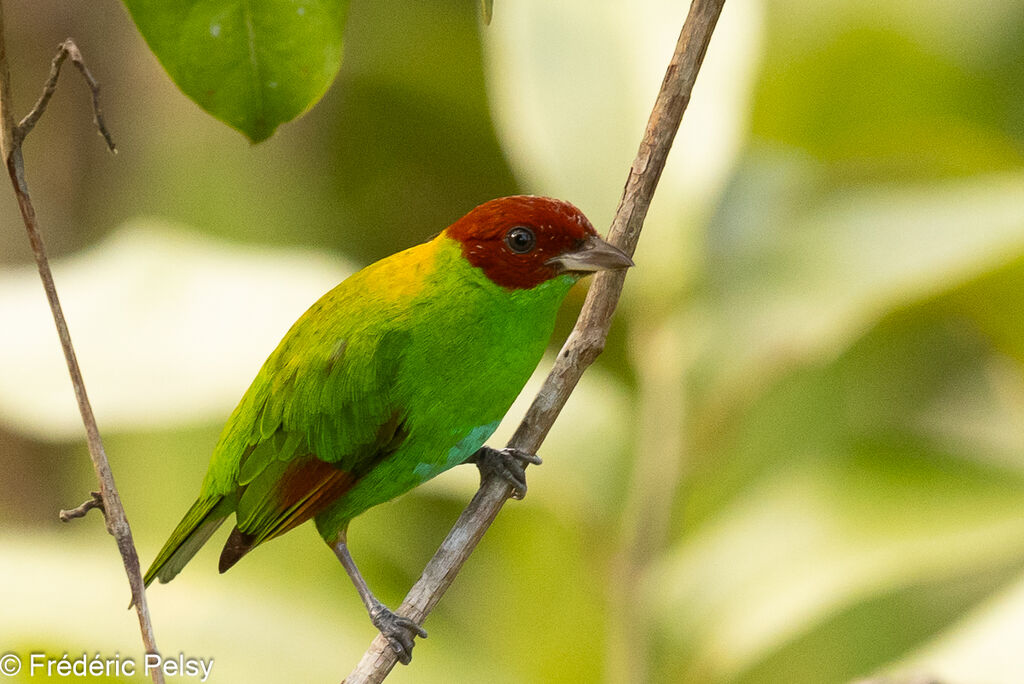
[{"x": 800, "y": 459}]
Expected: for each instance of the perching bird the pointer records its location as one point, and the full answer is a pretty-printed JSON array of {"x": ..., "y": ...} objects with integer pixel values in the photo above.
[{"x": 397, "y": 374}]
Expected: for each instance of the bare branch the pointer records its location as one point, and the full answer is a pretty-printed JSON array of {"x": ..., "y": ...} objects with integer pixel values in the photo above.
[
  {"x": 95, "y": 502},
  {"x": 67, "y": 49},
  {"x": 11, "y": 138},
  {"x": 585, "y": 342}
]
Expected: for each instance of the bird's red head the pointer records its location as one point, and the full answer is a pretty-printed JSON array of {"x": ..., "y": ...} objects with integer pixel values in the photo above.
[{"x": 522, "y": 241}]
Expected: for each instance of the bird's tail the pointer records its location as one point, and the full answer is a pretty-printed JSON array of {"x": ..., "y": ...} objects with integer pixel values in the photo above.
[{"x": 201, "y": 521}]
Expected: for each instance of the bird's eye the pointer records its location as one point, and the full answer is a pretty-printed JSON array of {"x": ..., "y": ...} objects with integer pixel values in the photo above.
[{"x": 520, "y": 239}]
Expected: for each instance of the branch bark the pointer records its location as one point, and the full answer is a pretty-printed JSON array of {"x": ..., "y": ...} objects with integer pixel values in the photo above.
[
  {"x": 95, "y": 501},
  {"x": 11, "y": 137},
  {"x": 585, "y": 342}
]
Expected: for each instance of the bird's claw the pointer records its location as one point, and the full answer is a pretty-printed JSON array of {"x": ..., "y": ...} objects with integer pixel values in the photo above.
[
  {"x": 508, "y": 464},
  {"x": 399, "y": 631}
]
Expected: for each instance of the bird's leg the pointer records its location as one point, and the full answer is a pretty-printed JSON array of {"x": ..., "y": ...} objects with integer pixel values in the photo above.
[
  {"x": 399, "y": 631},
  {"x": 508, "y": 464}
]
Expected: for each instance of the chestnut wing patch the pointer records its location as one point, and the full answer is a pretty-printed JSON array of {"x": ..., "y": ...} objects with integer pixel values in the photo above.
[
  {"x": 305, "y": 487},
  {"x": 287, "y": 492}
]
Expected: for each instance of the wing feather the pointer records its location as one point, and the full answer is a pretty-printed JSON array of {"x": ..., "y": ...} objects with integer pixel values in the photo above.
[{"x": 318, "y": 420}]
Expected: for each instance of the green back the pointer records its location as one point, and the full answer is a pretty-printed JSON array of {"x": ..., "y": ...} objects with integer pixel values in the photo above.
[{"x": 395, "y": 375}]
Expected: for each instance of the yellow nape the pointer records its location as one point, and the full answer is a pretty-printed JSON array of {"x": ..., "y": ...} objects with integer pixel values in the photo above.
[{"x": 407, "y": 272}]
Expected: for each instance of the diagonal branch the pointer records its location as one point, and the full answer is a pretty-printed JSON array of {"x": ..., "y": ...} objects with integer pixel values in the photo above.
[
  {"x": 11, "y": 137},
  {"x": 585, "y": 342}
]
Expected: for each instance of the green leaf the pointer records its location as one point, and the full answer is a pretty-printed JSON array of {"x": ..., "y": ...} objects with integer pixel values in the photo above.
[{"x": 253, "y": 65}]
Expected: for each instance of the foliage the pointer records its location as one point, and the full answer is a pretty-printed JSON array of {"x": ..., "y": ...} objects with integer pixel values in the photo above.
[
  {"x": 253, "y": 65},
  {"x": 800, "y": 458}
]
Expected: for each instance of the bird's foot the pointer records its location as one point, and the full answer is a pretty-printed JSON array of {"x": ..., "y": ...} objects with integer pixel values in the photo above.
[
  {"x": 507, "y": 464},
  {"x": 399, "y": 631}
]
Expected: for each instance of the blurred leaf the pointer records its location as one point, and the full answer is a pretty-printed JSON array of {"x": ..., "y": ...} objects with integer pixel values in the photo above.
[
  {"x": 852, "y": 501},
  {"x": 879, "y": 544},
  {"x": 983, "y": 646},
  {"x": 922, "y": 90},
  {"x": 253, "y": 65},
  {"x": 993, "y": 300},
  {"x": 572, "y": 85},
  {"x": 918, "y": 374},
  {"x": 487, "y": 7},
  {"x": 151, "y": 356},
  {"x": 856, "y": 472},
  {"x": 791, "y": 281}
]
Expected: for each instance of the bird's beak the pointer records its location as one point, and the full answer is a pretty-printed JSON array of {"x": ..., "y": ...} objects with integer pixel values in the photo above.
[{"x": 593, "y": 255}]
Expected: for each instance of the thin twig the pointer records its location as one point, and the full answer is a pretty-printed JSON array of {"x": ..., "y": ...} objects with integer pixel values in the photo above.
[
  {"x": 95, "y": 502},
  {"x": 67, "y": 49},
  {"x": 585, "y": 342},
  {"x": 11, "y": 138}
]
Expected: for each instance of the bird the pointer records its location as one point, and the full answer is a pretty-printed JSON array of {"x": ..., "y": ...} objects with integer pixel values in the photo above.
[{"x": 399, "y": 373}]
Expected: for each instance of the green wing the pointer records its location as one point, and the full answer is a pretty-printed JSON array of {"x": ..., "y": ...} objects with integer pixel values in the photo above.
[
  {"x": 324, "y": 415},
  {"x": 321, "y": 413}
]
